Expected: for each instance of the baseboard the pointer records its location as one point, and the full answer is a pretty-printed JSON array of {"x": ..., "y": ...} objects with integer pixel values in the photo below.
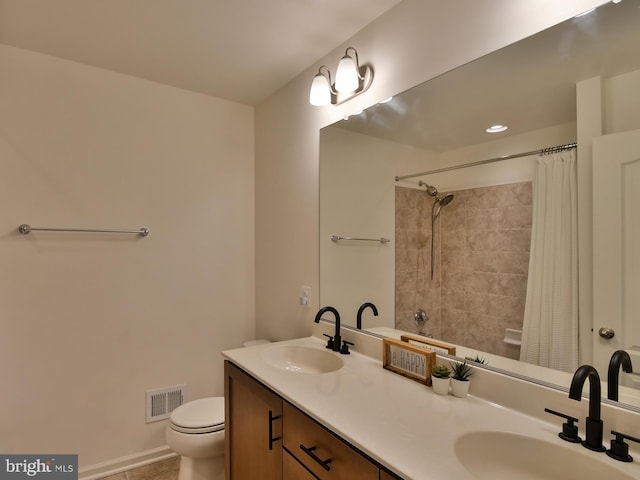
[{"x": 122, "y": 464}]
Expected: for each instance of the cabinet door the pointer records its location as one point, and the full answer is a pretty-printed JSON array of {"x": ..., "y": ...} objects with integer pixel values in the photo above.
[
  {"x": 253, "y": 428},
  {"x": 322, "y": 452},
  {"x": 293, "y": 470}
]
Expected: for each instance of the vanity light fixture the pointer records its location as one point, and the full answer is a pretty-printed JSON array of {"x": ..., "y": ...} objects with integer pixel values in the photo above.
[
  {"x": 496, "y": 128},
  {"x": 351, "y": 80}
]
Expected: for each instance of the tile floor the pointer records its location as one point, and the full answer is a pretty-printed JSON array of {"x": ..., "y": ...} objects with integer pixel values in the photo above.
[{"x": 165, "y": 470}]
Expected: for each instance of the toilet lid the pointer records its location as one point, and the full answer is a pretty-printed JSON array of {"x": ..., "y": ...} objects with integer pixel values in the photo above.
[{"x": 200, "y": 414}]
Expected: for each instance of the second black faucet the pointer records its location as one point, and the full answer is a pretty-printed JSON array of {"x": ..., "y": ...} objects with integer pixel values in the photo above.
[
  {"x": 362, "y": 308},
  {"x": 593, "y": 439}
]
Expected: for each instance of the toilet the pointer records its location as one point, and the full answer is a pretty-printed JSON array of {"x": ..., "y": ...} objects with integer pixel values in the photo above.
[{"x": 196, "y": 433}]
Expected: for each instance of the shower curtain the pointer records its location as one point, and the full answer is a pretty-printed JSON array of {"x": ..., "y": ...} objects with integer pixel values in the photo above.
[{"x": 550, "y": 328}]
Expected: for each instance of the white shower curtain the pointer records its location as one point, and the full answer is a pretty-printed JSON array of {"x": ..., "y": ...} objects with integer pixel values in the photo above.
[{"x": 550, "y": 328}]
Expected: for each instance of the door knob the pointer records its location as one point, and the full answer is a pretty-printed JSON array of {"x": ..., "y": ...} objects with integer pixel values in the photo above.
[{"x": 606, "y": 333}]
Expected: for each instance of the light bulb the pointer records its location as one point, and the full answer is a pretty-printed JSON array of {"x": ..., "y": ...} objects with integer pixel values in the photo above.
[
  {"x": 320, "y": 93},
  {"x": 347, "y": 75}
]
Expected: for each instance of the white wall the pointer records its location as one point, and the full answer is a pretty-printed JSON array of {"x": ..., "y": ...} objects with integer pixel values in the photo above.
[
  {"x": 415, "y": 41},
  {"x": 357, "y": 199},
  {"x": 89, "y": 322},
  {"x": 622, "y": 100}
]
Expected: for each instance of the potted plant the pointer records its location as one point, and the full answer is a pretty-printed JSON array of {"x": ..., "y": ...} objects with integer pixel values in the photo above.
[
  {"x": 477, "y": 359},
  {"x": 460, "y": 380},
  {"x": 440, "y": 379}
]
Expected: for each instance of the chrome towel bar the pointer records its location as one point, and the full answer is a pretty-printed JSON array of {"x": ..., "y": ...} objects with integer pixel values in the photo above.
[
  {"x": 336, "y": 238},
  {"x": 25, "y": 229}
]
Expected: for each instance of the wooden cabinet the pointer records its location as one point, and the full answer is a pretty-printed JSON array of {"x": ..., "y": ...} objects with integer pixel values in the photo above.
[
  {"x": 267, "y": 438},
  {"x": 294, "y": 470},
  {"x": 253, "y": 428},
  {"x": 324, "y": 454},
  {"x": 388, "y": 476}
]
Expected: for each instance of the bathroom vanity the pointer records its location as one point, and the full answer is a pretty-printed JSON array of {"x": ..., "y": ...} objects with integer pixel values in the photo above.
[
  {"x": 294, "y": 408},
  {"x": 269, "y": 438}
]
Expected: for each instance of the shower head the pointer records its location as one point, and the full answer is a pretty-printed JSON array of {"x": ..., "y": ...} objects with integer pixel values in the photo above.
[
  {"x": 438, "y": 204},
  {"x": 446, "y": 200},
  {"x": 433, "y": 191}
]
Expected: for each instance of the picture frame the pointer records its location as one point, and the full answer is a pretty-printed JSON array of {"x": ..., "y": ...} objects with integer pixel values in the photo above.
[
  {"x": 409, "y": 360},
  {"x": 437, "y": 346}
]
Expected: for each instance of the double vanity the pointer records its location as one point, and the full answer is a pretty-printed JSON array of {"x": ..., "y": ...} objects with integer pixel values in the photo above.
[{"x": 297, "y": 410}]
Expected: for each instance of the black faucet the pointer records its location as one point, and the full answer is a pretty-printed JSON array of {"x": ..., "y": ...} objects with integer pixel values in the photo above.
[
  {"x": 593, "y": 439},
  {"x": 334, "y": 343},
  {"x": 618, "y": 359},
  {"x": 362, "y": 309}
]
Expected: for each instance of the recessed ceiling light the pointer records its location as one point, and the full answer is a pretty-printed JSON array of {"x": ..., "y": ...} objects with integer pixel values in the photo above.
[{"x": 496, "y": 129}]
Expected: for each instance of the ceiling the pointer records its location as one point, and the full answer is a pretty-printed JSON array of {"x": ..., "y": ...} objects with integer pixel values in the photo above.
[
  {"x": 528, "y": 85},
  {"x": 240, "y": 50}
]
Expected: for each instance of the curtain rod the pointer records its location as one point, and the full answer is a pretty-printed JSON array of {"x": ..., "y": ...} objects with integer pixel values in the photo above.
[{"x": 543, "y": 151}]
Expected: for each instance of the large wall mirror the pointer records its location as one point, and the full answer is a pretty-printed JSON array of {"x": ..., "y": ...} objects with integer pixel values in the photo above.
[{"x": 457, "y": 204}]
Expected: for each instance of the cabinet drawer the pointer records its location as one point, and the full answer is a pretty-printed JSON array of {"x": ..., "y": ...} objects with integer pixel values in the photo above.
[
  {"x": 313, "y": 445},
  {"x": 292, "y": 470}
]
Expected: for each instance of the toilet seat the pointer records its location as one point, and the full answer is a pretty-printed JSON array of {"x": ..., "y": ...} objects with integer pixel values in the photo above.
[{"x": 205, "y": 415}]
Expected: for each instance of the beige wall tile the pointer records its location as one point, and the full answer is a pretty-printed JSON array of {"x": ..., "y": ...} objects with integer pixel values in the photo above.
[
  {"x": 482, "y": 242},
  {"x": 518, "y": 240},
  {"x": 482, "y": 218},
  {"x": 519, "y": 216}
]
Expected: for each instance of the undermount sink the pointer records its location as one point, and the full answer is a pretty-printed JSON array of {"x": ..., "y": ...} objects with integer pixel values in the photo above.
[
  {"x": 301, "y": 359},
  {"x": 502, "y": 455}
]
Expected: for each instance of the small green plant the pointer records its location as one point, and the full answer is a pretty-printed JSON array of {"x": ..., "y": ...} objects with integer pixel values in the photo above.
[
  {"x": 477, "y": 359},
  {"x": 440, "y": 371},
  {"x": 461, "y": 371}
]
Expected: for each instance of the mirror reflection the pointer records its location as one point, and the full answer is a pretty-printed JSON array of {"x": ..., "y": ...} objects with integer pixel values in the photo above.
[{"x": 464, "y": 216}]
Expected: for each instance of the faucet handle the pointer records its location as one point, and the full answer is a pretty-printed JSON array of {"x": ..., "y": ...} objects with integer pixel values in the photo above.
[
  {"x": 569, "y": 431},
  {"x": 620, "y": 450},
  {"x": 329, "y": 342},
  {"x": 345, "y": 347}
]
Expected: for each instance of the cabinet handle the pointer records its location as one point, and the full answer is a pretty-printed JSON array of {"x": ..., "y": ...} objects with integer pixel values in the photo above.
[
  {"x": 271, "y": 439},
  {"x": 309, "y": 451}
]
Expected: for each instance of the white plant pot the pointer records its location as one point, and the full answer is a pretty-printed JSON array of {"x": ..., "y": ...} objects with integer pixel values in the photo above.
[
  {"x": 460, "y": 388},
  {"x": 440, "y": 385}
]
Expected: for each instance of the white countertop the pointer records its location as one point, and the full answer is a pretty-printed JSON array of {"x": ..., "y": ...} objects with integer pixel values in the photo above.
[{"x": 398, "y": 422}]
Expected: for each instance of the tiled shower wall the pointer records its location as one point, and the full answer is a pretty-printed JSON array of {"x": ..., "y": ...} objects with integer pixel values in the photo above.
[{"x": 482, "y": 241}]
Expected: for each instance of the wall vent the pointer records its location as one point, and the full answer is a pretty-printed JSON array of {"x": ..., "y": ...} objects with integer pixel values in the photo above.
[{"x": 163, "y": 401}]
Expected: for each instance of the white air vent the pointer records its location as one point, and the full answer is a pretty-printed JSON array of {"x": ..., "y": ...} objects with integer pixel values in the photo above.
[{"x": 163, "y": 401}]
